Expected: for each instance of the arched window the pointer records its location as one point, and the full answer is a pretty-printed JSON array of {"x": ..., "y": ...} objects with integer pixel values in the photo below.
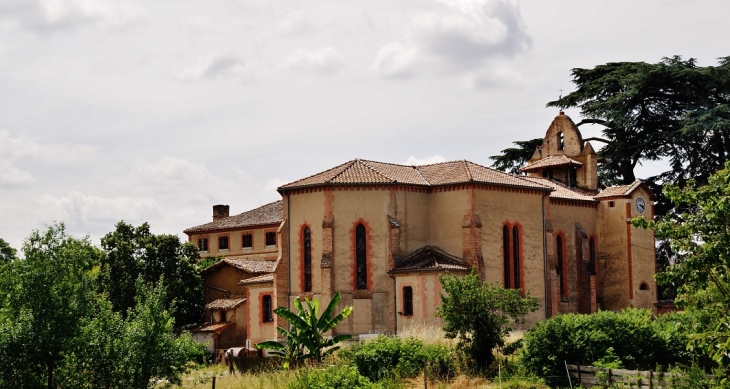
[
  {"x": 505, "y": 249},
  {"x": 307, "y": 259},
  {"x": 516, "y": 256},
  {"x": 407, "y": 301},
  {"x": 361, "y": 257},
  {"x": 561, "y": 141},
  {"x": 592, "y": 256},
  {"x": 268, "y": 315},
  {"x": 561, "y": 275}
]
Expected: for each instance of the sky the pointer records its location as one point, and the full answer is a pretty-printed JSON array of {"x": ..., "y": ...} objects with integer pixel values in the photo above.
[{"x": 154, "y": 111}]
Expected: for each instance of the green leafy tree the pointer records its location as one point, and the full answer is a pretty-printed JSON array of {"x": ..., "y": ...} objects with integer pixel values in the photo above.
[
  {"x": 306, "y": 338},
  {"x": 700, "y": 238},
  {"x": 513, "y": 158},
  {"x": 134, "y": 252},
  {"x": 479, "y": 315},
  {"x": 7, "y": 253},
  {"x": 44, "y": 296}
]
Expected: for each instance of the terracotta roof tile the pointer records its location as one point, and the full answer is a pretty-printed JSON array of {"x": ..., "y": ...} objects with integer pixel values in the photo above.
[
  {"x": 264, "y": 215},
  {"x": 563, "y": 192},
  {"x": 550, "y": 161},
  {"x": 446, "y": 173},
  {"x": 429, "y": 258},
  {"x": 492, "y": 176},
  {"x": 212, "y": 327},
  {"x": 257, "y": 280},
  {"x": 225, "y": 304},
  {"x": 248, "y": 265},
  {"x": 618, "y": 190}
]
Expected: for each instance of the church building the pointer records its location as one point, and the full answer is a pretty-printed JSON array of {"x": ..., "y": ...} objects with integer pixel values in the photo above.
[{"x": 382, "y": 233}]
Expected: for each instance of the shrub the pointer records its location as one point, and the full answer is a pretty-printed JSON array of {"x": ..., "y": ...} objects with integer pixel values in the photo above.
[
  {"x": 385, "y": 357},
  {"x": 630, "y": 338},
  {"x": 333, "y": 377}
]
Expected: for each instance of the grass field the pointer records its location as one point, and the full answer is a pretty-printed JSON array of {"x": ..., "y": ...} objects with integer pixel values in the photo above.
[{"x": 202, "y": 377}]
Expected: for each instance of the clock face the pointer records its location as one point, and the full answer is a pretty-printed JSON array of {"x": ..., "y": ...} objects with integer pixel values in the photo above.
[{"x": 640, "y": 205}]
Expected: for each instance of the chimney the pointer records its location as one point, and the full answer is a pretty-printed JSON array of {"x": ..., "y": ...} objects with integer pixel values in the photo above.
[{"x": 220, "y": 211}]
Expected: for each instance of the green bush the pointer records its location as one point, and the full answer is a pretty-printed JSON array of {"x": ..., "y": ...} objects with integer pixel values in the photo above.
[
  {"x": 333, "y": 377},
  {"x": 385, "y": 357},
  {"x": 630, "y": 338}
]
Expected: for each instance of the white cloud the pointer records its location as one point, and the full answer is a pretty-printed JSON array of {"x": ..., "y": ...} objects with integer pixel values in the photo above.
[
  {"x": 15, "y": 149},
  {"x": 489, "y": 77},
  {"x": 14, "y": 177},
  {"x": 169, "y": 172},
  {"x": 296, "y": 23},
  {"x": 213, "y": 67},
  {"x": 463, "y": 37},
  {"x": 424, "y": 161},
  {"x": 20, "y": 147},
  {"x": 52, "y": 15},
  {"x": 78, "y": 208},
  {"x": 325, "y": 60}
]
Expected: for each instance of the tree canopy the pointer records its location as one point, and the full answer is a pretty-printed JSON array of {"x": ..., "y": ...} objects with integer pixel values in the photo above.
[
  {"x": 479, "y": 315},
  {"x": 700, "y": 240},
  {"x": 673, "y": 109},
  {"x": 7, "y": 253},
  {"x": 56, "y": 330},
  {"x": 134, "y": 252}
]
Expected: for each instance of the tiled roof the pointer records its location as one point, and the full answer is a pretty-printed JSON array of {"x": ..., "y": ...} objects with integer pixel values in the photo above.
[
  {"x": 264, "y": 215},
  {"x": 247, "y": 265},
  {"x": 361, "y": 171},
  {"x": 212, "y": 327},
  {"x": 257, "y": 280},
  {"x": 563, "y": 192},
  {"x": 618, "y": 190},
  {"x": 550, "y": 161},
  {"x": 429, "y": 258},
  {"x": 226, "y": 303}
]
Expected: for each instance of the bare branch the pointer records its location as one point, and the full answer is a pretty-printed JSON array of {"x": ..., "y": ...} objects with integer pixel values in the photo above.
[
  {"x": 608, "y": 142},
  {"x": 591, "y": 121}
]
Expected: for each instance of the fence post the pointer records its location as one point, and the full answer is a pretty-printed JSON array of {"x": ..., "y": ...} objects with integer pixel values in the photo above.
[
  {"x": 609, "y": 378},
  {"x": 213, "y": 387},
  {"x": 580, "y": 380},
  {"x": 651, "y": 379},
  {"x": 568, "y": 371}
]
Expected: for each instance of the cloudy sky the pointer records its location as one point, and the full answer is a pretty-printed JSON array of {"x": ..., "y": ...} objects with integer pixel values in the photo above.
[{"x": 156, "y": 110}]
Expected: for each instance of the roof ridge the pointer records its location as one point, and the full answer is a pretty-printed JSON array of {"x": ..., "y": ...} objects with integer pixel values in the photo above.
[
  {"x": 421, "y": 175},
  {"x": 364, "y": 162},
  {"x": 340, "y": 173},
  {"x": 468, "y": 171}
]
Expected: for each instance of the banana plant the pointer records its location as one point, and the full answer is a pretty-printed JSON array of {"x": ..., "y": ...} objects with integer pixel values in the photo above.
[{"x": 306, "y": 339}]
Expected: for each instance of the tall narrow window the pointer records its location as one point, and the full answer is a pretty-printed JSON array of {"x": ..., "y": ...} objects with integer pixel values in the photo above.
[
  {"x": 361, "y": 257},
  {"x": 270, "y": 239},
  {"x": 505, "y": 252},
  {"x": 516, "y": 256},
  {"x": 223, "y": 243},
  {"x": 203, "y": 244},
  {"x": 592, "y": 254},
  {"x": 268, "y": 314},
  {"x": 307, "y": 260},
  {"x": 561, "y": 141},
  {"x": 407, "y": 301},
  {"x": 247, "y": 241},
  {"x": 561, "y": 276}
]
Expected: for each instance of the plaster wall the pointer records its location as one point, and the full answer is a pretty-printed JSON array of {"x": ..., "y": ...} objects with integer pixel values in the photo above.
[
  {"x": 426, "y": 300},
  {"x": 612, "y": 253},
  {"x": 258, "y": 331},
  {"x": 563, "y": 218},
  {"x": 497, "y": 207}
]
